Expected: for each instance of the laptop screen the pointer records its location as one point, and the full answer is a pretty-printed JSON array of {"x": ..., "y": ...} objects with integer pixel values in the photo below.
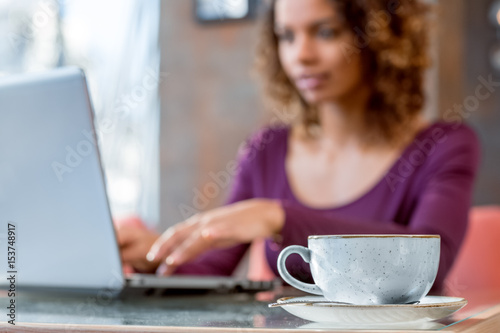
[{"x": 52, "y": 191}]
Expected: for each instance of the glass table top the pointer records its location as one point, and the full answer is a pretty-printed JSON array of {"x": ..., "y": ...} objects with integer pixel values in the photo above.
[{"x": 245, "y": 311}]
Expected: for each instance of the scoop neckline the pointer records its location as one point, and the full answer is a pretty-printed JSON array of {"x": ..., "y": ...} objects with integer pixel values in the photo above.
[{"x": 363, "y": 195}]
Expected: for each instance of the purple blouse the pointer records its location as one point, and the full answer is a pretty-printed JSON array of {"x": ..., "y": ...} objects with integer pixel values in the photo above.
[{"x": 426, "y": 191}]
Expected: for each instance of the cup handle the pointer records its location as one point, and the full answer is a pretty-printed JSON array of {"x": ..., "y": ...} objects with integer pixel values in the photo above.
[{"x": 305, "y": 253}]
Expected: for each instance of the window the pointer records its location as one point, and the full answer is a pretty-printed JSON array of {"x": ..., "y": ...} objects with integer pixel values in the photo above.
[{"x": 116, "y": 43}]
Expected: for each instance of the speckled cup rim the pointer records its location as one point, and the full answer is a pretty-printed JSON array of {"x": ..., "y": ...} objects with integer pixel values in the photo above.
[{"x": 372, "y": 236}]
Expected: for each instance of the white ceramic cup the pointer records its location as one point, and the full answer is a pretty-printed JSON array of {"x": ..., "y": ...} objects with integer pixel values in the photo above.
[{"x": 367, "y": 269}]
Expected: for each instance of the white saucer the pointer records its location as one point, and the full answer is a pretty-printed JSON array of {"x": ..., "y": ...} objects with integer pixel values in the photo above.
[
  {"x": 429, "y": 308},
  {"x": 411, "y": 325}
]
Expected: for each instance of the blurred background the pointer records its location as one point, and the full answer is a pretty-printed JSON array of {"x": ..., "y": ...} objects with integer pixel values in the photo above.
[{"x": 174, "y": 79}]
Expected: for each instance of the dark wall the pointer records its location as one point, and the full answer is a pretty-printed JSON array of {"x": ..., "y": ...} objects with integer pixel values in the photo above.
[{"x": 209, "y": 104}]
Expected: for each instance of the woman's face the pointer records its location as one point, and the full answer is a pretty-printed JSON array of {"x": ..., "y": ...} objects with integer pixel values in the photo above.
[{"x": 316, "y": 50}]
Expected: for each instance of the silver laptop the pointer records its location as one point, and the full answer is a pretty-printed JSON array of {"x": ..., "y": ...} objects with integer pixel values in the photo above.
[{"x": 56, "y": 228}]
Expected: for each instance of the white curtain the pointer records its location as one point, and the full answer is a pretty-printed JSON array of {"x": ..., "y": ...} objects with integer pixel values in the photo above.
[{"x": 116, "y": 43}]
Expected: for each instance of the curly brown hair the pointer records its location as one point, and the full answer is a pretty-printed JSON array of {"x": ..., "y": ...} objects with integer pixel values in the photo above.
[{"x": 392, "y": 39}]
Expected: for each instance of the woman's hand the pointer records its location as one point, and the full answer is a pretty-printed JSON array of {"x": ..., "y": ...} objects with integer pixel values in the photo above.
[
  {"x": 134, "y": 243},
  {"x": 240, "y": 222}
]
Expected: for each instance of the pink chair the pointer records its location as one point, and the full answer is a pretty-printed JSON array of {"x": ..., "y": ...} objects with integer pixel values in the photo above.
[{"x": 477, "y": 267}]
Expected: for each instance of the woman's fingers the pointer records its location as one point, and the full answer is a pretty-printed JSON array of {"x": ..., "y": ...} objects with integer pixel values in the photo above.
[
  {"x": 169, "y": 240},
  {"x": 199, "y": 242},
  {"x": 222, "y": 227},
  {"x": 160, "y": 245},
  {"x": 207, "y": 235},
  {"x": 165, "y": 270},
  {"x": 164, "y": 245}
]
